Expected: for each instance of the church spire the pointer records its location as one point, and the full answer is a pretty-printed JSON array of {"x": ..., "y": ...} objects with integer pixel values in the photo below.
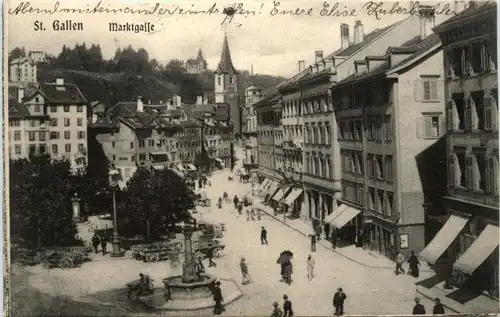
[
  {"x": 200, "y": 55},
  {"x": 226, "y": 64}
]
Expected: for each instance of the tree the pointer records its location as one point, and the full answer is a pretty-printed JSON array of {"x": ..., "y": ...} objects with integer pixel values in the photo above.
[
  {"x": 17, "y": 52},
  {"x": 40, "y": 202},
  {"x": 152, "y": 202}
]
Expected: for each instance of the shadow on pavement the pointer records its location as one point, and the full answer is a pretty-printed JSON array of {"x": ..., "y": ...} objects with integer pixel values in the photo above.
[
  {"x": 463, "y": 295},
  {"x": 431, "y": 281}
]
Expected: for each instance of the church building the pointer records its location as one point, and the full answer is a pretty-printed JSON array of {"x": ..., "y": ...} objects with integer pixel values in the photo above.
[{"x": 196, "y": 66}]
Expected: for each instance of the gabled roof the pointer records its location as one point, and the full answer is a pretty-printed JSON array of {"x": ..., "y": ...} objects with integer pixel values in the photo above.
[
  {"x": 196, "y": 111},
  {"x": 486, "y": 7},
  {"x": 221, "y": 111},
  {"x": 17, "y": 110},
  {"x": 198, "y": 59},
  {"x": 106, "y": 123},
  {"x": 22, "y": 60},
  {"x": 226, "y": 64},
  {"x": 63, "y": 94}
]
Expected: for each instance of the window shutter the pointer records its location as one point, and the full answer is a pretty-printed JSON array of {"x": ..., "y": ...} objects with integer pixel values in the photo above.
[
  {"x": 471, "y": 181},
  {"x": 419, "y": 90},
  {"x": 451, "y": 171},
  {"x": 487, "y": 113},
  {"x": 494, "y": 113},
  {"x": 450, "y": 70},
  {"x": 450, "y": 120},
  {"x": 468, "y": 113},
  {"x": 427, "y": 127},
  {"x": 442, "y": 126},
  {"x": 440, "y": 86},
  {"x": 434, "y": 87},
  {"x": 420, "y": 128}
]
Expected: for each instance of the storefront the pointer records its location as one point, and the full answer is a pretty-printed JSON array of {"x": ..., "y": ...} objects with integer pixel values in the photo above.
[
  {"x": 318, "y": 204},
  {"x": 345, "y": 219},
  {"x": 294, "y": 201}
]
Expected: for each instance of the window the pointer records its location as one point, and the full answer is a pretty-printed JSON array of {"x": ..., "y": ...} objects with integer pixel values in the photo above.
[
  {"x": 142, "y": 156},
  {"x": 66, "y": 108},
  {"x": 230, "y": 79},
  {"x": 42, "y": 136},
  {"x": 81, "y": 147},
  {"x": 79, "y": 122},
  {"x": 114, "y": 157},
  {"x": 371, "y": 198},
  {"x": 371, "y": 165},
  {"x": 53, "y": 109},
  {"x": 53, "y": 122},
  {"x": 67, "y": 135},
  {"x": 67, "y": 148},
  {"x": 151, "y": 143},
  {"x": 79, "y": 108},
  {"x": 142, "y": 143},
  {"x": 32, "y": 149},
  {"x": 66, "y": 122},
  {"x": 379, "y": 165},
  {"x": 132, "y": 158},
  {"x": 17, "y": 149},
  {"x": 430, "y": 126},
  {"x": 36, "y": 108},
  {"x": 131, "y": 145},
  {"x": 54, "y": 148},
  {"x": 389, "y": 203},
  {"x": 218, "y": 80},
  {"x": 81, "y": 134},
  {"x": 31, "y": 136},
  {"x": 387, "y": 127},
  {"x": 54, "y": 135},
  {"x": 456, "y": 112},
  {"x": 112, "y": 143},
  {"x": 388, "y": 170},
  {"x": 17, "y": 136},
  {"x": 380, "y": 201},
  {"x": 460, "y": 169},
  {"x": 430, "y": 90}
]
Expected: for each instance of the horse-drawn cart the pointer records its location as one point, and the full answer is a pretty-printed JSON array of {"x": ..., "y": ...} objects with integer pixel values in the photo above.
[
  {"x": 202, "y": 200},
  {"x": 205, "y": 248},
  {"x": 158, "y": 252}
]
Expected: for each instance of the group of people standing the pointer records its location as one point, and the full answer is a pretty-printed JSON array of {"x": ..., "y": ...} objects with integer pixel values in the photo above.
[
  {"x": 96, "y": 241},
  {"x": 419, "y": 309}
]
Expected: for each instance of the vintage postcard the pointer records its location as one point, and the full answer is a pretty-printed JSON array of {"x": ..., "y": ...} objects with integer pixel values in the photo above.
[{"x": 253, "y": 158}]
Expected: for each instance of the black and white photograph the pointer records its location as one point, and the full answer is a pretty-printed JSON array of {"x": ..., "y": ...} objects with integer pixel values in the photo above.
[{"x": 256, "y": 158}]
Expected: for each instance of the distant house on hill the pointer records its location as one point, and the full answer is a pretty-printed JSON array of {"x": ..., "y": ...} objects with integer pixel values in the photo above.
[
  {"x": 196, "y": 66},
  {"x": 23, "y": 70}
]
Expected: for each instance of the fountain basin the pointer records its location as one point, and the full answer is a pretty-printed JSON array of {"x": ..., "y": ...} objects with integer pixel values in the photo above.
[{"x": 180, "y": 290}]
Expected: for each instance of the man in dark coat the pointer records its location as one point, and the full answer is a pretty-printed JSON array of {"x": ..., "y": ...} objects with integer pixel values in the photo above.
[
  {"x": 334, "y": 237},
  {"x": 326, "y": 228},
  {"x": 438, "y": 308},
  {"x": 338, "y": 301},
  {"x": 414, "y": 263},
  {"x": 104, "y": 243},
  {"x": 217, "y": 298},
  {"x": 313, "y": 242},
  {"x": 235, "y": 202},
  {"x": 418, "y": 309},
  {"x": 287, "y": 307},
  {"x": 95, "y": 242},
  {"x": 263, "y": 236}
]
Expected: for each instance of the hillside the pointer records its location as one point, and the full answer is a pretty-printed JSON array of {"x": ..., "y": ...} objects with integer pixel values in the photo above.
[{"x": 113, "y": 87}]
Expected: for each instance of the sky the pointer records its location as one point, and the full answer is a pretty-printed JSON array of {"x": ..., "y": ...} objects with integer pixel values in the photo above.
[{"x": 273, "y": 43}]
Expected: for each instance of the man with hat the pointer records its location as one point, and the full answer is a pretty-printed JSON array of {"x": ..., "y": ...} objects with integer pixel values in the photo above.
[
  {"x": 338, "y": 301},
  {"x": 287, "y": 307},
  {"x": 276, "y": 311},
  {"x": 217, "y": 298},
  {"x": 418, "y": 309},
  {"x": 438, "y": 308}
]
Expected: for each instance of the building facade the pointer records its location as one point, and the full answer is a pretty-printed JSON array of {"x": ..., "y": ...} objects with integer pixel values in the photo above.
[
  {"x": 253, "y": 95},
  {"x": 50, "y": 120},
  {"x": 23, "y": 70},
  {"x": 196, "y": 66},
  {"x": 468, "y": 242},
  {"x": 37, "y": 56}
]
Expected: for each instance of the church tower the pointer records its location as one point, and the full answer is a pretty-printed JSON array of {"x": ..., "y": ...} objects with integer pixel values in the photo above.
[{"x": 226, "y": 86}]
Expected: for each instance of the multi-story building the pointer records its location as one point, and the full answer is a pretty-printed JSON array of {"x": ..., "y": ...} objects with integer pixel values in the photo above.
[
  {"x": 37, "y": 56},
  {"x": 227, "y": 87},
  {"x": 468, "y": 241},
  {"x": 253, "y": 95},
  {"x": 23, "y": 70},
  {"x": 198, "y": 65},
  {"x": 51, "y": 119},
  {"x": 392, "y": 179}
]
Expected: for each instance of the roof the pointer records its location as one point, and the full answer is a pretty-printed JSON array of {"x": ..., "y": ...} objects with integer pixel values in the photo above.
[
  {"x": 253, "y": 88},
  {"x": 106, "y": 123},
  {"x": 471, "y": 13},
  {"x": 267, "y": 100},
  {"x": 198, "y": 59},
  {"x": 196, "y": 111},
  {"x": 226, "y": 64},
  {"x": 65, "y": 94},
  {"x": 17, "y": 110},
  {"x": 22, "y": 60},
  {"x": 221, "y": 111}
]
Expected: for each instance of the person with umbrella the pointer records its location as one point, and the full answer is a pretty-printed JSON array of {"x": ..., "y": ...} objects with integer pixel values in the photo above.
[
  {"x": 288, "y": 270},
  {"x": 284, "y": 257}
]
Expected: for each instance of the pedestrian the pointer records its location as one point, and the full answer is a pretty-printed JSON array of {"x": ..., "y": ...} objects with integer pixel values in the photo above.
[
  {"x": 287, "y": 271},
  {"x": 338, "y": 301},
  {"x": 258, "y": 214},
  {"x": 276, "y": 311},
  {"x": 263, "y": 236},
  {"x": 418, "y": 309},
  {"x": 244, "y": 272},
  {"x": 235, "y": 201},
  {"x": 199, "y": 263},
  {"x": 399, "y": 263},
  {"x": 219, "y": 203},
  {"x": 210, "y": 254},
  {"x": 287, "y": 307},
  {"x": 218, "y": 299},
  {"x": 359, "y": 238},
  {"x": 326, "y": 228},
  {"x": 334, "y": 237},
  {"x": 200, "y": 184},
  {"x": 318, "y": 230},
  {"x": 252, "y": 214},
  {"x": 240, "y": 208},
  {"x": 209, "y": 183},
  {"x": 104, "y": 243},
  {"x": 248, "y": 214},
  {"x": 414, "y": 263},
  {"x": 438, "y": 308},
  {"x": 95, "y": 242},
  {"x": 313, "y": 242},
  {"x": 310, "y": 267}
]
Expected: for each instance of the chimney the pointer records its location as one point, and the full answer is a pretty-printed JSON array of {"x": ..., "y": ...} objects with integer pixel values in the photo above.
[
  {"x": 329, "y": 64},
  {"x": 344, "y": 35},
  {"x": 302, "y": 66},
  {"x": 459, "y": 6},
  {"x": 199, "y": 100},
  {"x": 60, "y": 81},
  {"x": 318, "y": 56},
  {"x": 360, "y": 67},
  {"x": 427, "y": 20},
  {"x": 140, "y": 105},
  {"x": 20, "y": 95},
  {"x": 358, "y": 32}
]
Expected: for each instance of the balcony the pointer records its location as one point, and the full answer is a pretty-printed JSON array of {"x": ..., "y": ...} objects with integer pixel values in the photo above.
[{"x": 296, "y": 145}]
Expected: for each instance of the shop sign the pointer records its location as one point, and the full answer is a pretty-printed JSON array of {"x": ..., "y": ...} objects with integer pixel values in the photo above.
[{"x": 403, "y": 241}]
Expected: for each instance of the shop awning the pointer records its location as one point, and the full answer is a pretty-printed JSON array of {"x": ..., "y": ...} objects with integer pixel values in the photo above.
[
  {"x": 158, "y": 167},
  {"x": 443, "y": 238},
  {"x": 479, "y": 251},
  {"x": 268, "y": 185},
  {"x": 159, "y": 153},
  {"x": 295, "y": 193},
  {"x": 218, "y": 160},
  {"x": 280, "y": 193},
  {"x": 264, "y": 183},
  {"x": 335, "y": 213},
  {"x": 272, "y": 189},
  {"x": 177, "y": 172},
  {"x": 191, "y": 167},
  {"x": 345, "y": 216},
  {"x": 180, "y": 167}
]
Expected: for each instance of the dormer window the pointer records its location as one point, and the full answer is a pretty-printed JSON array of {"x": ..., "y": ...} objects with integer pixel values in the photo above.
[
  {"x": 218, "y": 80},
  {"x": 230, "y": 79}
]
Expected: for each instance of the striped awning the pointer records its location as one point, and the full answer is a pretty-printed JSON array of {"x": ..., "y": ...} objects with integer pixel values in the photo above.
[
  {"x": 292, "y": 196},
  {"x": 479, "y": 251},
  {"x": 345, "y": 216},
  {"x": 281, "y": 193},
  {"x": 335, "y": 213}
]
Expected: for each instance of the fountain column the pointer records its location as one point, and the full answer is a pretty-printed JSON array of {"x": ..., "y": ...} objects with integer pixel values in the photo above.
[{"x": 188, "y": 267}]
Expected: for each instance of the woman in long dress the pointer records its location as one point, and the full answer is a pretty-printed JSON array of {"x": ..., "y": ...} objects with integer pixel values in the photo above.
[{"x": 414, "y": 263}]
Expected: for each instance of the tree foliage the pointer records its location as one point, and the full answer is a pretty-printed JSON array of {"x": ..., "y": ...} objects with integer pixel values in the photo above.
[
  {"x": 159, "y": 198},
  {"x": 40, "y": 201}
]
